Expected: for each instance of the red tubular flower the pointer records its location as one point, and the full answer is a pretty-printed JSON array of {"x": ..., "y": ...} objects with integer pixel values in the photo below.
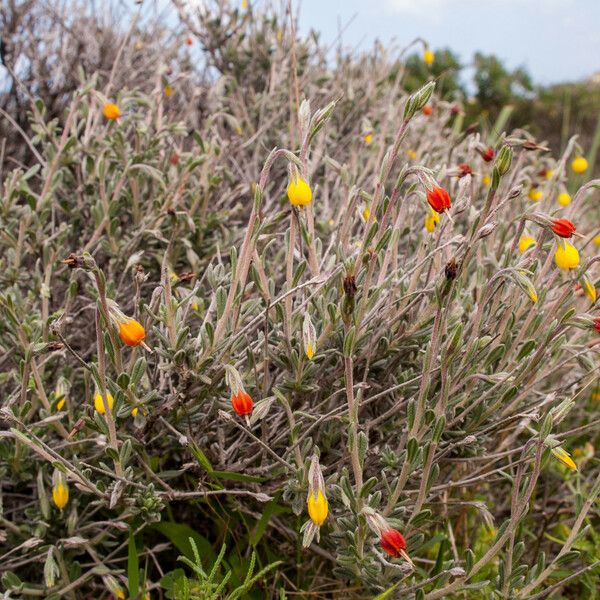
[
  {"x": 464, "y": 169},
  {"x": 393, "y": 543},
  {"x": 439, "y": 199},
  {"x": 563, "y": 228},
  {"x": 242, "y": 403},
  {"x": 174, "y": 159},
  {"x": 488, "y": 154},
  {"x": 427, "y": 110},
  {"x": 597, "y": 325}
]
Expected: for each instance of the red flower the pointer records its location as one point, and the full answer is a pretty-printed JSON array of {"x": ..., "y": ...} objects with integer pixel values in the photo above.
[
  {"x": 597, "y": 325},
  {"x": 189, "y": 41},
  {"x": 393, "y": 543},
  {"x": 439, "y": 199},
  {"x": 174, "y": 159},
  {"x": 454, "y": 109},
  {"x": 427, "y": 110},
  {"x": 464, "y": 169},
  {"x": 563, "y": 228},
  {"x": 488, "y": 154},
  {"x": 242, "y": 403}
]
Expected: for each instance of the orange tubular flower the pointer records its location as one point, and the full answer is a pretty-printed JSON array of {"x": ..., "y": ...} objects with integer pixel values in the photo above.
[
  {"x": 427, "y": 110},
  {"x": 439, "y": 199},
  {"x": 242, "y": 403},
  {"x": 393, "y": 543},
  {"x": 111, "y": 111},
  {"x": 131, "y": 332},
  {"x": 563, "y": 228}
]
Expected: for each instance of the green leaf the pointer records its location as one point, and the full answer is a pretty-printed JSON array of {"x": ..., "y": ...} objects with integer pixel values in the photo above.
[
  {"x": 387, "y": 592},
  {"x": 133, "y": 567},
  {"x": 179, "y": 534}
]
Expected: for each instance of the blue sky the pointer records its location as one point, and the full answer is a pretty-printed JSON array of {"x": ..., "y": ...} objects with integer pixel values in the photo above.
[{"x": 556, "y": 40}]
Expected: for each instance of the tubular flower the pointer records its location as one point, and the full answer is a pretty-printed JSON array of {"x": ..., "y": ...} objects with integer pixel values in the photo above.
[
  {"x": 309, "y": 337},
  {"x": 60, "y": 490},
  {"x": 589, "y": 289},
  {"x": 316, "y": 502},
  {"x": 99, "y": 404},
  {"x": 61, "y": 391},
  {"x": 597, "y": 240},
  {"x": 525, "y": 242},
  {"x": 488, "y": 154},
  {"x": 427, "y": 110},
  {"x": 563, "y": 228},
  {"x": 168, "y": 91},
  {"x": 111, "y": 111},
  {"x": 390, "y": 539},
  {"x": 411, "y": 154},
  {"x": 564, "y": 199},
  {"x": 564, "y": 457},
  {"x": 431, "y": 220},
  {"x": 368, "y": 139},
  {"x": 597, "y": 325},
  {"x": 131, "y": 333},
  {"x": 241, "y": 401},
  {"x": 566, "y": 257},
  {"x": 464, "y": 169},
  {"x": 579, "y": 164},
  {"x": 299, "y": 192},
  {"x": 428, "y": 57},
  {"x": 439, "y": 199},
  {"x": 189, "y": 41},
  {"x": 535, "y": 194},
  {"x": 549, "y": 173},
  {"x": 486, "y": 180}
]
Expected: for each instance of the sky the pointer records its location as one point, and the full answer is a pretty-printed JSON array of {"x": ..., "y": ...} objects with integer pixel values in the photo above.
[{"x": 555, "y": 40}]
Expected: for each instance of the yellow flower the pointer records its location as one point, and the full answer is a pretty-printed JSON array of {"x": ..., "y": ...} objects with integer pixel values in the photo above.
[
  {"x": 279, "y": 36},
  {"x": 579, "y": 164},
  {"x": 589, "y": 289},
  {"x": 411, "y": 154},
  {"x": 597, "y": 240},
  {"x": 60, "y": 403},
  {"x": 486, "y": 180},
  {"x": 549, "y": 174},
  {"x": 532, "y": 294},
  {"x": 535, "y": 194},
  {"x": 564, "y": 199},
  {"x": 564, "y": 457},
  {"x": 368, "y": 138},
  {"x": 168, "y": 91},
  {"x": 244, "y": 4},
  {"x": 317, "y": 508},
  {"x": 431, "y": 219},
  {"x": 428, "y": 57},
  {"x": 60, "y": 493},
  {"x": 195, "y": 306},
  {"x": 310, "y": 351},
  {"x": 111, "y": 111},
  {"x": 299, "y": 192},
  {"x": 525, "y": 242},
  {"x": 134, "y": 411},
  {"x": 567, "y": 258},
  {"x": 99, "y": 404}
]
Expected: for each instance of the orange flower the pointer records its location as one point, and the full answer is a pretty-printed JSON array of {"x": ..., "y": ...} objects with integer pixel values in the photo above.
[
  {"x": 242, "y": 403},
  {"x": 439, "y": 199},
  {"x": 131, "y": 332},
  {"x": 427, "y": 110},
  {"x": 111, "y": 111}
]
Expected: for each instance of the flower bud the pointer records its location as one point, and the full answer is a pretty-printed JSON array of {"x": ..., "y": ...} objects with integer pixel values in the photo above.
[
  {"x": 299, "y": 192},
  {"x": 464, "y": 169},
  {"x": 60, "y": 490},
  {"x": 428, "y": 57},
  {"x": 488, "y": 154},
  {"x": 309, "y": 337},
  {"x": 240, "y": 400},
  {"x": 431, "y": 220},
  {"x": 588, "y": 288},
  {"x": 99, "y": 403},
  {"x": 504, "y": 160}
]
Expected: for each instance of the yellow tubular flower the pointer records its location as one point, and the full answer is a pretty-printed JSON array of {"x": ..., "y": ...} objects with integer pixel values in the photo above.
[
  {"x": 579, "y": 164},
  {"x": 597, "y": 240},
  {"x": 368, "y": 138},
  {"x": 134, "y": 411},
  {"x": 564, "y": 199},
  {"x": 60, "y": 494},
  {"x": 99, "y": 404},
  {"x": 486, "y": 180},
  {"x": 566, "y": 258},
  {"x": 299, "y": 192},
  {"x": 411, "y": 154},
  {"x": 525, "y": 242},
  {"x": 168, "y": 91},
  {"x": 430, "y": 220},
  {"x": 549, "y": 174},
  {"x": 428, "y": 57},
  {"x": 535, "y": 194},
  {"x": 111, "y": 111},
  {"x": 317, "y": 508},
  {"x": 564, "y": 457}
]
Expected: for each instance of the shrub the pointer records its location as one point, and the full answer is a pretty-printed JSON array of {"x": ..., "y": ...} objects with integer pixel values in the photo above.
[{"x": 385, "y": 387}]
